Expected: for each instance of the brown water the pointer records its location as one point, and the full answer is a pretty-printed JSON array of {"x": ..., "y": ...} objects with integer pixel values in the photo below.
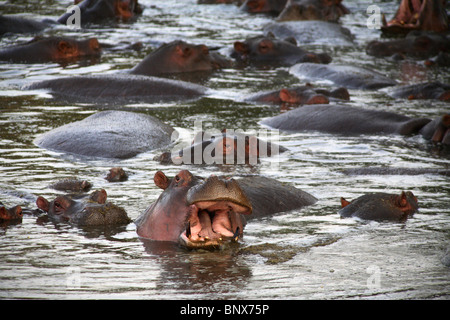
[{"x": 305, "y": 254}]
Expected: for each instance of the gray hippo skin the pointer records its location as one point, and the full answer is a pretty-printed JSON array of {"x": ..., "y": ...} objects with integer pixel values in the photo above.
[
  {"x": 49, "y": 49},
  {"x": 381, "y": 207},
  {"x": 346, "y": 120},
  {"x": 119, "y": 89},
  {"x": 350, "y": 77},
  {"x": 108, "y": 134},
  {"x": 91, "y": 210},
  {"x": 201, "y": 213},
  {"x": 311, "y": 32}
]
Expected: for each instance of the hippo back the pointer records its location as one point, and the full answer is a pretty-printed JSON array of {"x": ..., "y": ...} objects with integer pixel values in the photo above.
[
  {"x": 108, "y": 134},
  {"x": 269, "y": 196}
]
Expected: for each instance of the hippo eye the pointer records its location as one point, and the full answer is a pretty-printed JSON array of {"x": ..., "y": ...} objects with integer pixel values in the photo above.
[
  {"x": 177, "y": 179},
  {"x": 58, "y": 206}
]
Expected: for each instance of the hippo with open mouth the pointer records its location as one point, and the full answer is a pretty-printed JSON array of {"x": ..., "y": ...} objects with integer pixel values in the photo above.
[{"x": 208, "y": 213}]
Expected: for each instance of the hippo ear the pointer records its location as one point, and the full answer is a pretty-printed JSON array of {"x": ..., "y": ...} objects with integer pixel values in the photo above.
[
  {"x": 42, "y": 204},
  {"x": 64, "y": 47},
  {"x": 344, "y": 202},
  {"x": 291, "y": 40},
  {"x": 286, "y": 96},
  {"x": 240, "y": 47},
  {"x": 161, "y": 180},
  {"x": 402, "y": 201}
]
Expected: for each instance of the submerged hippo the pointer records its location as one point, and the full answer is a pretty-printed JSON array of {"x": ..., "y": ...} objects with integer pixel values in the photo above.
[
  {"x": 108, "y": 134},
  {"x": 306, "y": 94},
  {"x": 13, "y": 24},
  {"x": 427, "y": 90},
  {"x": 381, "y": 206},
  {"x": 311, "y": 32},
  {"x": 268, "y": 51},
  {"x": 346, "y": 120},
  {"x": 351, "y": 77},
  {"x": 428, "y": 15},
  {"x": 327, "y": 10},
  {"x": 177, "y": 57},
  {"x": 418, "y": 45},
  {"x": 273, "y": 7},
  {"x": 202, "y": 213},
  {"x": 51, "y": 49},
  {"x": 91, "y": 210},
  {"x": 223, "y": 148},
  {"x": 97, "y": 11},
  {"x": 119, "y": 89},
  {"x": 116, "y": 174},
  {"x": 72, "y": 185}
]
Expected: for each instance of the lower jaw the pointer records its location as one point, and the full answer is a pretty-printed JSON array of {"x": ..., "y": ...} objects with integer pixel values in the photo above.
[{"x": 207, "y": 244}]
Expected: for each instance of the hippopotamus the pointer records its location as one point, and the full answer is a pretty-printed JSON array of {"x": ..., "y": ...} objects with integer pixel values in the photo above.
[
  {"x": 228, "y": 147},
  {"x": 92, "y": 210},
  {"x": 72, "y": 184},
  {"x": 207, "y": 213},
  {"x": 306, "y": 94},
  {"x": 119, "y": 88},
  {"x": 346, "y": 120},
  {"x": 51, "y": 49},
  {"x": 311, "y": 32},
  {"x": 381, "y": 207},
  {"x": 13, "y": 24},
  {"x": 327, "y": 10},
  {"x": 116, "y": 174},
  {"x": 269, "y": 51},
  {"x": 395, "y": 171},
  {"x": 428, "y": 90},
  {"x": 13, "y": 214},
  {"x": 108, "y": 134},
  {"x": 429, "y": 15},
  {"x": 96, "y": 11},
  {"x": 177, "y": 57},
  {"x": 351, "y": 77},
  {"x": 273, "y": 7},
  {"x": 416, "y": 44}
]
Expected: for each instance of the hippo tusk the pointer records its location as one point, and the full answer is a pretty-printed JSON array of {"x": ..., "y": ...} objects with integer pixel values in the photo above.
[{"x": 236, "y": 235}]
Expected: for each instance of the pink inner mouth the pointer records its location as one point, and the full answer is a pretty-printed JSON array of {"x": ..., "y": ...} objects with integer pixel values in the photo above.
[{"x": 212, "y": 222}]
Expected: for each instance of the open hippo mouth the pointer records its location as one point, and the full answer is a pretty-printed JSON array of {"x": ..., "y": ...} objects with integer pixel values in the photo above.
[
  {"x": 427, "y": 15},
  {"x": 215, "y": 213}
]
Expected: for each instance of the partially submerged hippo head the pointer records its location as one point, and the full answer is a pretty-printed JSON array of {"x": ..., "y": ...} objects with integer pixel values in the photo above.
[
  {"x": 228, "y": 147},
  {"x": 195, "y": 212},
  {"x": 267, "y": 50},
  {"x": 179, "y": 57},
  {"x": 381, "y": 207},
  {"x": 418, "y": 15},
  {"x": 326, "y": 10},
  {"x": 93, "y": 210}
]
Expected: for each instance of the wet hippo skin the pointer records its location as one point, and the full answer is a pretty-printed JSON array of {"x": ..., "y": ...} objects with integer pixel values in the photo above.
[
  {"x": 51, "y": 49},
  {"x": 381, "y": 207},
  {"x": 92, "y": 210},
  {"x": 346, "y": 120},
  {"x": 108, "y": 134},
  {"x": 205, "y": 213}
]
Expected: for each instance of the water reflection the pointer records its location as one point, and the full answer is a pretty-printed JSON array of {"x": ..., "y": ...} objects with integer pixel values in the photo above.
[{"x": 199, "y": 271}]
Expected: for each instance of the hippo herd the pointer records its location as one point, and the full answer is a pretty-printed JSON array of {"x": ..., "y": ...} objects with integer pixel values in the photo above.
[{"x": 207, "y": 212}]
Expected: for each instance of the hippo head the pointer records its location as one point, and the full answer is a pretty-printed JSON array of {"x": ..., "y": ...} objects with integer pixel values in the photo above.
[
  {"x": 180, "y": 57},
  {"x": 267, "y": 50},
  {"x": 195, "y": 212},
  {"x": 418, "y": 15},
  {"x": 92, "y": 210}
]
